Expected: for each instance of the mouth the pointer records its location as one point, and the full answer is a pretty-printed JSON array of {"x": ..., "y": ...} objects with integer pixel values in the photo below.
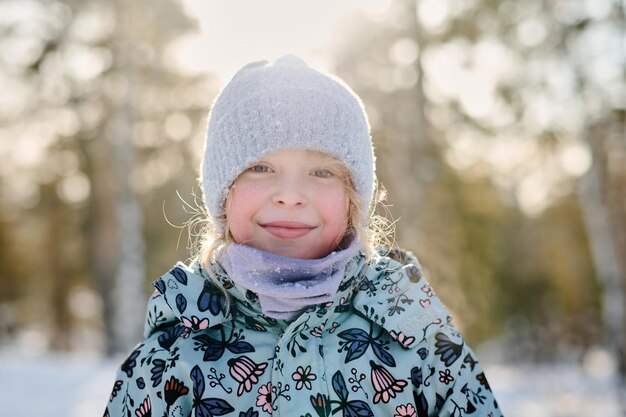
[{"x": 287, "y": 229}]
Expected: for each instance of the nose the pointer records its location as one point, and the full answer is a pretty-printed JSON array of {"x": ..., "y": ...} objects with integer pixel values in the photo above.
[{"x": 289, "y": 192}]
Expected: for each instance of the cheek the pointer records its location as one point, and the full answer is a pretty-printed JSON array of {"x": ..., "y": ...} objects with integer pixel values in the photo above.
[
  {"x": 240, "y": 209},
  {"x": 335, "y": 208}
]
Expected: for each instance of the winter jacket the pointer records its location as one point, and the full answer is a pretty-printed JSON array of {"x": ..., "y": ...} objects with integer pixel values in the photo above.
[{"x": 384, "y": 347}]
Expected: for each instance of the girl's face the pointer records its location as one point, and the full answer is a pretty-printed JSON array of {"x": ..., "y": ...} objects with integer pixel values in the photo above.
[{"x": 291, "y": 203}]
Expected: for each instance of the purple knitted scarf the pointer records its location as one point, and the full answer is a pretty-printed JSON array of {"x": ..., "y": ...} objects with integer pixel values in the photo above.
[{"x": 285, "y": 286}]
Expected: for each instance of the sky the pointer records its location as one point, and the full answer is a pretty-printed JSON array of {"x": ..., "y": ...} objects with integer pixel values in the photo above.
[{"x": 233, "y": 33}]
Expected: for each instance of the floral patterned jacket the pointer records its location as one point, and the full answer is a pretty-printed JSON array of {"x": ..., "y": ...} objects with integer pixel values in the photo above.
[{"x": 384, "y": 347}]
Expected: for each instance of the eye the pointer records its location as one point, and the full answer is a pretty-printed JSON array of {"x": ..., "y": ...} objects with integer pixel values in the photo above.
[
  {"x": 323, "y": 173},
  {"x": 260, "y": 168}
]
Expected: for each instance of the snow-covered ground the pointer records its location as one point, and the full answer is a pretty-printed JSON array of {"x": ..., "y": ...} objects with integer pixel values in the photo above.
[
  {"x": 563, "y": 390},
  {"x": 65, "y": 386}
]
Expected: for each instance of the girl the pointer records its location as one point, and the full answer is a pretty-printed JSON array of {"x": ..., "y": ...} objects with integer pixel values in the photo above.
[{"x": 289, "y": 311}]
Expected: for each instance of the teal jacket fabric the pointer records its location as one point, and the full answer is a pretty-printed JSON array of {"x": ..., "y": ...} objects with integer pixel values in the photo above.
[{"x": 385, "y": 346}]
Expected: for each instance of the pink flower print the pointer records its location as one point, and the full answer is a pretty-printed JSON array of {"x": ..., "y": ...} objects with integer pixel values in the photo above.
[
  {"x": 264, "y": 399},
  {"x": 428, "y": 290},
  {"x": 402, "y": 338},
  {"x": 405, "y": 411},
  {"x": 303, "y": 377},
  {"x": 445, "y": 376},
  {"x": 186, "y": 332},
  {"x": 145, "y": 409},
  {"x": 245, "y": 371},
  {"x": 385, "y": 384},
  {"x": 195, "y": 323},
  {"x": 317, "y": 331},
  {"x": 334, "y": 327}
]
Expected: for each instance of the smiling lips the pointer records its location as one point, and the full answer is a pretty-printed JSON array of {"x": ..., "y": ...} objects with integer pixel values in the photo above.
[{"x": 287, "y": 229}]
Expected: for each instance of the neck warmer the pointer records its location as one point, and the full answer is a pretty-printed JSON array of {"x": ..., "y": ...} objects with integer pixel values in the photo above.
[{"x": 285, "y": 286}]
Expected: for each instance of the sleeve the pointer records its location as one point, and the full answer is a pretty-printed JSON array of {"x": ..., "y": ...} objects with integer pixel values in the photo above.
[
  {"x": 138, "y": 390},
  {"x": 450, "y": 381}
]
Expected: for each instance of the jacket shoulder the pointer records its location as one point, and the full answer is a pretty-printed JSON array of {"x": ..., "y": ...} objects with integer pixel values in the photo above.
[
  {"x": 185, "y": 295},
  {"x": 395, "y": 294},
  {"x": 139, "y": 377}
]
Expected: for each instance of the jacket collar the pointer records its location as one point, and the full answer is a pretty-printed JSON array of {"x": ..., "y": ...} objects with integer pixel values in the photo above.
[
  {"x": 386, "y": 294},
  {"x": 186, "y": 294}
]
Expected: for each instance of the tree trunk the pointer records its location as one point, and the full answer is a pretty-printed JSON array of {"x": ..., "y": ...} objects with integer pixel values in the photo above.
[
  {"x": 603, "y": 212},
  {"x": 101, "y": 228},
  {"x": 413, "y": 155},
  {"x": 129, "y": 295},
  {"x": 56, "y": 271},
  {"x": 615, "y": 190}
]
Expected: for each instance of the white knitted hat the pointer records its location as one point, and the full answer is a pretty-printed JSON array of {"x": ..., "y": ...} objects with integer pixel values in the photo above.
[{"x": 269, "y": 107}]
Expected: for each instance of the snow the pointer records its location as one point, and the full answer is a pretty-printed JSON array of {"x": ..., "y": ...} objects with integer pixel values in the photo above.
[
  {"x": 54, "y": 385},
  {"x": 551, "y": 390}
]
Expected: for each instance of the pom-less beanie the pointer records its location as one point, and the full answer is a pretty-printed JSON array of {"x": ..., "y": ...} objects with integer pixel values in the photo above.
[{"x": 268, "y": 107}]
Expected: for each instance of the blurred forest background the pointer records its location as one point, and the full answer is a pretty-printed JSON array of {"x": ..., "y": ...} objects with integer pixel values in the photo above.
[{"x": 500, "y": 129}]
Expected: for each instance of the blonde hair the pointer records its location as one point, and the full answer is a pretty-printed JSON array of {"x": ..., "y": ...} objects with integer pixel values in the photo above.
[{"x": 371, "y": 229}]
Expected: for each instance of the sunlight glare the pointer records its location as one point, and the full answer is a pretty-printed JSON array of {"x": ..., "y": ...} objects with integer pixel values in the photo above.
[
  {"x": 236, "y": 32},
  {"x": 531, "y": 32},
  {"x": 404, "y": 52},
  {"x": 533, "y": 192},
  {"x": 93, "y": 23},
  {"x": 178, "y": 126},
  {"x": 507, "y": 155},
  {"x": 74, "y": 189},
  {"x": 85, "y": 63},
  {"x": 575, "y": 158},
  {"x": 433, "y": 14}
]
